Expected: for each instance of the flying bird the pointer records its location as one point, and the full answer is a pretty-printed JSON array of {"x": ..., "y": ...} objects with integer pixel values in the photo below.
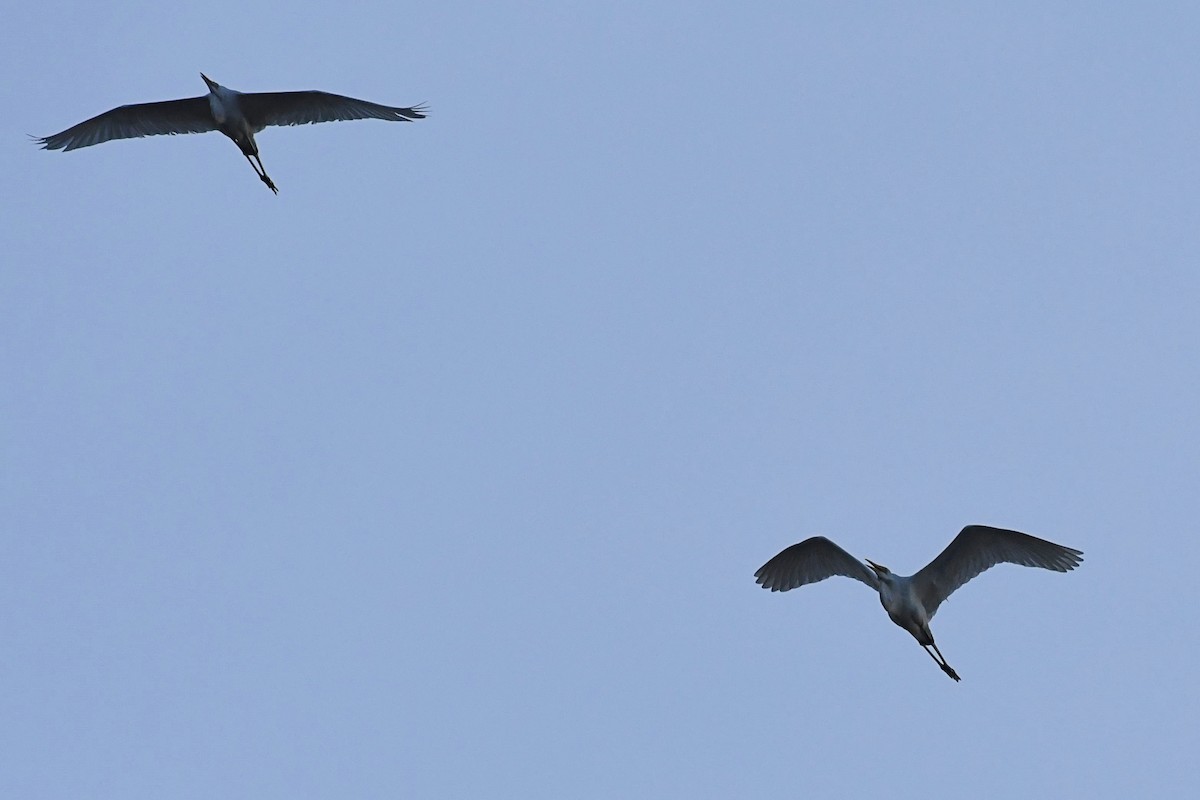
[
  {"x": 239, "y": 116},
  {"x": 912, "y": 601}
]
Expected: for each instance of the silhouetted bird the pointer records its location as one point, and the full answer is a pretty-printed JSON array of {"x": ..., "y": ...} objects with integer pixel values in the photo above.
[
  {"x": 911, "y": 602},
  {"x": 239, "y": 116}
]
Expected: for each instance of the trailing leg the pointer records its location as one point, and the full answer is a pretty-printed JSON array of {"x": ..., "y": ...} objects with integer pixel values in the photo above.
[
  {"x": 261, "y": 172},
  {"x": 940, "y": 660}
]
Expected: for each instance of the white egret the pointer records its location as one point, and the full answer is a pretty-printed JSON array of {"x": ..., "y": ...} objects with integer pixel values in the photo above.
[
  {"x": 239, "y": 116},
  {"x": 912, "y": 601}
]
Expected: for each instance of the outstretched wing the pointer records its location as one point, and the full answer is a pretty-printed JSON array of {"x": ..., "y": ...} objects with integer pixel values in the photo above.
[
  {"x": 810, "y": 561},
  {"x": 191, "y": 115},
  {"x": 978, "y": 548},
  {"x": 303, "y": 108}
]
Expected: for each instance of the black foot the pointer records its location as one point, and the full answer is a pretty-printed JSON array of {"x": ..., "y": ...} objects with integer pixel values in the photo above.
[
  {"x": 946, "y": 668},
  {"x": 270, "y": 184}
]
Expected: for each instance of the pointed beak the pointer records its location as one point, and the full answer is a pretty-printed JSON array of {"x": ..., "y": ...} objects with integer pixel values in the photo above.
[
  {"x": 211, "y": 83},
  {"x": 878, "y": 568}
]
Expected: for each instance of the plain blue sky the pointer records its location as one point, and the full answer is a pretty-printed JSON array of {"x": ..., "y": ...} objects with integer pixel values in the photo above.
[{"x": 445, "y": 473}]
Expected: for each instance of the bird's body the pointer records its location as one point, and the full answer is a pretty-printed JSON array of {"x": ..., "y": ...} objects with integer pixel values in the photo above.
[
  {"x": 900, "y": 601},
  {"x": 227, "y": 113},
  {"x": 912, "y": 601},
  {"x": 237, "y": 115}
]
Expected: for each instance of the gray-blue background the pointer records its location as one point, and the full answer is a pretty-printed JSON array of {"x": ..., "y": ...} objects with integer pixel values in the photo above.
[{"x": 445, "y": 473}]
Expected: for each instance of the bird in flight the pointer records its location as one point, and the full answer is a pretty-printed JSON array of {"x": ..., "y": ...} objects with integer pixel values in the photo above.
[
  {"x": 912, "y": 601},
  {"x": 239, "y": 116}
]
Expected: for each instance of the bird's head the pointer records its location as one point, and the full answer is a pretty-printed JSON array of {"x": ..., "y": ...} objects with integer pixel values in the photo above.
[
  {"x": 212, "y": 85},
  {"x": 882, "y": 572}
]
